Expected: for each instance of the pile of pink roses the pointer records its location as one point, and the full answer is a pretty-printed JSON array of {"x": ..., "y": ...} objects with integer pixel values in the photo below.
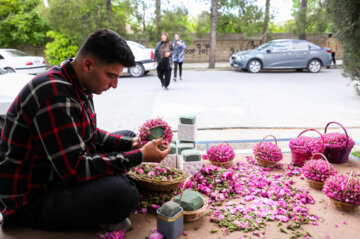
[
  {"x": 337, "y": 141},
  {"x": 144, "y": 131},
  {"x": 154, "y": 171},
  {"x": 306, "y": 145},
  {"x": 151, "y": 201},
  {"x": 267, "y": 151},
  {"x": 318, "y": 170},
  {"x": 340, "y": 188},
  {"x": 220, "y": 153}
]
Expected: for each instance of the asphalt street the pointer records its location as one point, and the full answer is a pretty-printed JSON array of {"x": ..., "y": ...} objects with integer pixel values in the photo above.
[{"x": 233, "y": 99}]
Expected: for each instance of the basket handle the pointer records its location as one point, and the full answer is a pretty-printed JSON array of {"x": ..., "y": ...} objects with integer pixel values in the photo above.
[
  {"x": 183, "y": 187},
  {"x": 334, "y": 122},
  {"x": 321, "y": 136},
  {"x": 266, "y": 137},
  {"x": 351, "y": 174},
  {"x": 324, "y": 157}
]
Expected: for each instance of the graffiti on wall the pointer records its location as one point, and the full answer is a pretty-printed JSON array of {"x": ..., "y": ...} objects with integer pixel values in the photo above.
[{"x": 204, "y": 48}]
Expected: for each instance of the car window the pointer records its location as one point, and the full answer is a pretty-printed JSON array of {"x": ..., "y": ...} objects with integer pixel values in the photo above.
[
  {"x": 280, "y": 46},
  {"x": 300, "y": 46},
  {"x": 15, "y": 53},
  {"x": 313, "y": 46},
  {"x": 1, "y": 57},
  {"x": 263, "y": 46}
]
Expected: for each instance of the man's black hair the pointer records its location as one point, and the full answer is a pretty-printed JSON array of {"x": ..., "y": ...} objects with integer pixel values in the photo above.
[
  {"x": 330, "y": 35},
  {"x": 108, "y": 47}
]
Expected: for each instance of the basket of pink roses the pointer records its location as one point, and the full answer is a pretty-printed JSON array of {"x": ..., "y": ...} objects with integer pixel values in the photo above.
[
  {"x": 337, "y": 145},
  {"x": 317, "y": 171},
  {"x": 267, "y": 154},
  {"x": 221, "y": 155},
  {"x": 304, "y": 147},
  {"x": 344, "y": 191}
]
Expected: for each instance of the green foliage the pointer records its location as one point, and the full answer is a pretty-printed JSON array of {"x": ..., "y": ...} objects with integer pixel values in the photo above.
[
  {"x": 201, "y": 24},
  {"x": 80, "y": 18},
  {"x": 237, "y": 16},
  {"x": 356, "y": 154},
  {"x": 316, "y": 18},
  {"x": 20, "y": 25},
  {"x": 60, "y": 48},
  {"x": 345, "y": 20}
]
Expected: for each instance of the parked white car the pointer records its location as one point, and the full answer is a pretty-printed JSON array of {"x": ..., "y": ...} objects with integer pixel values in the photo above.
[
  {"x": 144, "y": 58},
  {"x": 10, "y": 86},
  {"x": 13, "y": 60}
]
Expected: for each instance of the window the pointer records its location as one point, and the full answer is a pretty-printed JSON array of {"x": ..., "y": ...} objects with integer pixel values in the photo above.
[
  {"x": 15, "y": 53},
  {"x": 300, "y": 46},
  {"x": 279, "y": 47}
]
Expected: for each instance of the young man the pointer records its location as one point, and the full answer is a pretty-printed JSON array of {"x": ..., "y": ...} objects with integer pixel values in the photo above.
[
  {"x": 333, "y": 45},
  {"x": 58, "y": 171}
]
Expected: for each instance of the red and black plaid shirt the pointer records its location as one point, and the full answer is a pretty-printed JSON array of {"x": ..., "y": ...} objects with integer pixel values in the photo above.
[{"x": 50, "y": 134}]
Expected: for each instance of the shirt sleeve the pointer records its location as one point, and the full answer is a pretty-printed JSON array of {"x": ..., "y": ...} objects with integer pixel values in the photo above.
[
  {"x": 111, "y": 142},
  {"x": 60, "y": 127}
]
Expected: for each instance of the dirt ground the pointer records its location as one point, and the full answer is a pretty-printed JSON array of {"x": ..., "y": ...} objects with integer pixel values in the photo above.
[{"x": 336, "y": 224}]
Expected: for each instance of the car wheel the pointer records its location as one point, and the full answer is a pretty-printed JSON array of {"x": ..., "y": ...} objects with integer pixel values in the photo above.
[
  {"x": 314, "y": 66},
  {"x": 137, "y": 70},
  {"x": 254, "y": 66},
  {"x": 9, "y": 70}
]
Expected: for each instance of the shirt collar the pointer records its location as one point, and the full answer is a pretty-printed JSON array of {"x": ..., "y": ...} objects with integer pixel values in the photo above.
[{"x": 72, "y": 77}]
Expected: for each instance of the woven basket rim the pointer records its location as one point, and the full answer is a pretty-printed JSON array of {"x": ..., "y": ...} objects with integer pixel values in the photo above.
[
  {"x": 199, "y": 211},
  {"x": 271, "y": 163},
  {"x": 158, "y": 183}
]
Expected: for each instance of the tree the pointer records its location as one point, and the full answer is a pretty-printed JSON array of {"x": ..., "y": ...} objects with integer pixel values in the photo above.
[
  {"x": 20, "y": 25},
  {"x": 302, "y": 19},
  {"x": 345, "y": 20},
  {"x": 266, "y": 21},
  {"x": 212, "y": 56}
]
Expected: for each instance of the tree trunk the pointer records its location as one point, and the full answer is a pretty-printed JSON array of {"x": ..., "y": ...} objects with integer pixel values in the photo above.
[
  {"x": 266, "y": 22},
  {"x": 157, "y": 13},
  {"x": 212, "y": 56},
  {"x": 109, "y": 8},
  {"x": 302, "y": 19}
]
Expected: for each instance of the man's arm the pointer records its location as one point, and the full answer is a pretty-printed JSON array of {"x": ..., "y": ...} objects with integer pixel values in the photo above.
[{"x": 63, "y": 137}]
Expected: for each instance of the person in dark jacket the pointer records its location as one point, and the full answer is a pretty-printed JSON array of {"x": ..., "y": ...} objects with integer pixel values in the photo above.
[
  {"x": 178, "y": 57},
  {"x": 163, "y": 52}
]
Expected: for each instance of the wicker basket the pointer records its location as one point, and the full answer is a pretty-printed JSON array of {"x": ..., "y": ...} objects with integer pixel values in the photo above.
[
  {"x": 190, "y": 216},
  {"x": 225, "y": 164},
  {"x": 318, "y": 185},
  {"x": 299, "y": 159},
  {"x": 343, "y": 206},
  {"x": 262, "y": 162},
  {"x": 155, "y": 184},
  {"x": 338, "y": 155}
]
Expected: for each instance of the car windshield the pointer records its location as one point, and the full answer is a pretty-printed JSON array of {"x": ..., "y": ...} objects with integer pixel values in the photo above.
[
  {"x": 15, "y": 53},
  {"x": 2, "y": 71},
  {"x": 136, "y": 44},
  {"x": 263, "y": 46}
]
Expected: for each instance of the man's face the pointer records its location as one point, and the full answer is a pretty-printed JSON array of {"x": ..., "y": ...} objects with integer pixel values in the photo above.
[
  {"x": 101, "y": 77},
  {"x": 176, "y": 36}
]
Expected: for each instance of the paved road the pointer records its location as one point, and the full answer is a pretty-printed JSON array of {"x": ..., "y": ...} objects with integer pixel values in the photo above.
[{"x": 230, "y": 98}]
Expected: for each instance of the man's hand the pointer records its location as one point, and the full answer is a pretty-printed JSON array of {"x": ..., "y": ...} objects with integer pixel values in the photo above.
[
  {"x": 167, "y": 54},
  {"x": 152, "y": 153},
  {"x": 178, "y": 42},
  {"x": 136, "y": 143}
]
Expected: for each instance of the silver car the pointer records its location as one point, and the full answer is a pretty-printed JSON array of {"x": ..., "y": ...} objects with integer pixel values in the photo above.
[{"x": 283, "y": 54}]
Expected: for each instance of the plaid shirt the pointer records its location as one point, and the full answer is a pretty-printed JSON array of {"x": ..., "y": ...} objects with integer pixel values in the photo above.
[{"x": 50, "y": 134}]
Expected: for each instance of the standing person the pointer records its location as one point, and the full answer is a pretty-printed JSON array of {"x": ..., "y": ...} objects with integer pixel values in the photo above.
[
  {"x": 58, "y": 171},
  {"x": 163, "y": 52},
  {"x": 179, "y": 46},
  {"x": 333, "y": 45}
]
